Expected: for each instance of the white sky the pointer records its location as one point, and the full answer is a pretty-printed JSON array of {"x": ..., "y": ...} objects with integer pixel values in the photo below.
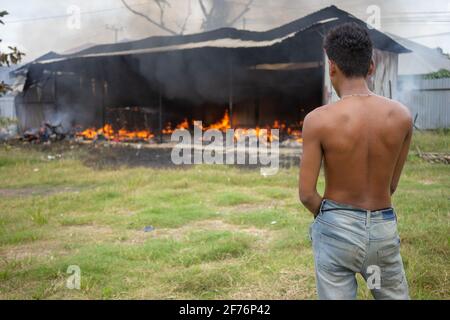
[{"x": 39, "y": 26}]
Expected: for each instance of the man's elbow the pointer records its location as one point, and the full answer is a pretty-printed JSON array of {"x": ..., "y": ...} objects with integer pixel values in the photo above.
[
  {"x": 393, "y": 188},
  {"x": 306, "y": 198}
]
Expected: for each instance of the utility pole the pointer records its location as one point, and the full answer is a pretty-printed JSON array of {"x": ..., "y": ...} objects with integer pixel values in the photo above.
[{"x": 116, "y": 30}]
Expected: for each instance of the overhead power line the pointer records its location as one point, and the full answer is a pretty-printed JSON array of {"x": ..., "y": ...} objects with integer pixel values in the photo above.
[
  {"x": 430, "y": 35},
  {"x": 61, "y": 16}
]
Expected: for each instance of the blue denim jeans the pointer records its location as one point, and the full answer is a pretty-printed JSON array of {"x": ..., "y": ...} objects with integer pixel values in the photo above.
[{"x": 348, "y": 240}]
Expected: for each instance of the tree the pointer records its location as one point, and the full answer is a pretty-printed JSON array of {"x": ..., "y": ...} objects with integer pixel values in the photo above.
[
  {"x": 220, "y": 14},
  {"x": 216, "y": 14},
  {"x": 162, "y": 6},
  {"x": 14, "y": 56},
  {"x": 441, "y": 74}
]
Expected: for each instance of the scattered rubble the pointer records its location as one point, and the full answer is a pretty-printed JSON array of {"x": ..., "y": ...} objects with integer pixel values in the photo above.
[
  {"x": 45, "y": 134},
  {"x": 434, "y": 157},
  {"x": 8, "y": 132}
]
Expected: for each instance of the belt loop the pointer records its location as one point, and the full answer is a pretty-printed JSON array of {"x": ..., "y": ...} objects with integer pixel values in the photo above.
[
  {"x": 368, "y": 218},
  {"x": 321, "y": 205}
]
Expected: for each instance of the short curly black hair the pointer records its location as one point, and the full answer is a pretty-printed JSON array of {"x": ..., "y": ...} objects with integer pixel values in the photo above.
[{"x": 350, "y": 47}]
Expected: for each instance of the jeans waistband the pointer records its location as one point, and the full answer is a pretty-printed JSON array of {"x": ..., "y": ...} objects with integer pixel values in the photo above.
[{"x": 382, "y": 214}]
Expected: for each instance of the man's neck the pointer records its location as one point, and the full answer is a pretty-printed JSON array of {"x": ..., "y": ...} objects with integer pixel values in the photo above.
[{"x": 353, "y": 86}]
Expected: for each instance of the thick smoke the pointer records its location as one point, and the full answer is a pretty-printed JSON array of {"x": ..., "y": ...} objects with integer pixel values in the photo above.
[
  {"x": 203, "y": 79},
  {"x": 402, "y": 17}
]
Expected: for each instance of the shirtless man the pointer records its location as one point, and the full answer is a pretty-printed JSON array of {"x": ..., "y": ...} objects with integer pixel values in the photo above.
[{"x": 364, "y": 141}]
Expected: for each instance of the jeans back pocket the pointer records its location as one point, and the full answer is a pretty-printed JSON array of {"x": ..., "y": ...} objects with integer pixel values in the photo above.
[
  {"x": 336, "y": 254},
  {"x": 390, "y": 262}
]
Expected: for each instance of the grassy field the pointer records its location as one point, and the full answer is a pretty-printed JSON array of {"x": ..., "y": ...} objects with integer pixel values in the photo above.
[{"x": 220, "y": 232}]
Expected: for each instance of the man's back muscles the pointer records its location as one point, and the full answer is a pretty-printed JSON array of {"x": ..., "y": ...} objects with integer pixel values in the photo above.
[{"x": 364, "y": 142}]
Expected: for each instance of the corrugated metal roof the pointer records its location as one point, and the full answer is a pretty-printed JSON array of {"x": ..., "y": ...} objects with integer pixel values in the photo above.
[
  {"x": 233, "y": 38},
  {"x": 422, "y": 59},
  {"x": 217, "y": 43}
]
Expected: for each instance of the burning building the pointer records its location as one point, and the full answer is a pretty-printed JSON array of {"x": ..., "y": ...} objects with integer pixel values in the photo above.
[{"x": 225, "y": 78}]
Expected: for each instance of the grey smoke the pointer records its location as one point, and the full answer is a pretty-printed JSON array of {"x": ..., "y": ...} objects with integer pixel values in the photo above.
[{"x": 264, "y": 14}]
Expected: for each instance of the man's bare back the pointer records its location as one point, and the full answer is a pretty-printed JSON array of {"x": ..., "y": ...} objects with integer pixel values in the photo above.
[{"x": 364, "y": 140}]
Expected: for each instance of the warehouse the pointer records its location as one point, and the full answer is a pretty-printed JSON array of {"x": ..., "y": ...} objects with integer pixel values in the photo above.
[{"x": 233, "y": 77}]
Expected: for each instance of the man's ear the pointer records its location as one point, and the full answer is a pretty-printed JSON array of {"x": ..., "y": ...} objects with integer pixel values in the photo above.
[
  {"x": 332, "y": 68},
  {"x": 371, "y": 68}
]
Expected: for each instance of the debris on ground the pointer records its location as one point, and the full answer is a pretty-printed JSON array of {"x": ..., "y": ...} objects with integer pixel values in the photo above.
[
  {"x": 149, "y": 228},
  {"x": 434, "y": 157},
  {"x": 46, "y": 133},
  {"x": 8, "y": 132}
]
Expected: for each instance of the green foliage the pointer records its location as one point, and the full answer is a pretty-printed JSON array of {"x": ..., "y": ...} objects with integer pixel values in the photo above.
[
  {"x": 4, "y": 122},
  {"x": 441, "y": 74},
  {"x": 14, "y": 56}
]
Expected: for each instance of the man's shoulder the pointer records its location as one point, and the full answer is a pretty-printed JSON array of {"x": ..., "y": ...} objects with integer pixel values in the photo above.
[
  {"x": 320, "y": 116},
  {"x": 403, "y": 110},
  {"x": 397, "y": 109},
  {"x": 316, "y": 118},
  {"x": 318, "y": 113}
]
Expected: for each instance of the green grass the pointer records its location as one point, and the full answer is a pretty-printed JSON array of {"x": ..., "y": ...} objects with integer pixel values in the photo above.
[
  {"x": 431, "y": 141},
  {"x": 220, "y": 232},
  {"x": 4, "y": 122}
]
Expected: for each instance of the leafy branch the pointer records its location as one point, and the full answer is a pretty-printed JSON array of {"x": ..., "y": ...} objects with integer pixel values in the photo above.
[{"x": 13, "y": 56}]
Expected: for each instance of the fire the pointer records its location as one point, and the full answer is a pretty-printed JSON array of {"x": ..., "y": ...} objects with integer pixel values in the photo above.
[
  {"x": 263, "y": 133},
  {"x": 223, "y": 124},
  {"x": 168, "y": 129},
  {"x": 184, "y": 125},
  {"x": 295, "y": 134},
  {"x": 89, "y": 134},
  {"x": 120, "y": 135}
]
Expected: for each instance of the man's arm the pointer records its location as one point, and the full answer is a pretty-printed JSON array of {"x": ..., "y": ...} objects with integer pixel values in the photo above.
[
  {"x": 402, "y": 157},
  {"x": 310, "y": 164}
]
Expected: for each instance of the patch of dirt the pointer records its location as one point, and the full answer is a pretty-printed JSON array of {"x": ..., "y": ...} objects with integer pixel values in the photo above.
[
  {"x": 139, "y": 236},
  {"x": 135, "y": 237},
  {"x": 297, "y": 284},
  {"x": 116, "y": 155},
  {"x": 107, "y": 155},
  {"x": 88, "y": 232},
  {"x": 247, "y": 207},
  {"x": 103, "y": 234},
  {"x": 38, "y": 249},
  {"x": 208, "y": 225},
  {"x": 55, "y": 247},
  {"x": 36, "y": 191}
]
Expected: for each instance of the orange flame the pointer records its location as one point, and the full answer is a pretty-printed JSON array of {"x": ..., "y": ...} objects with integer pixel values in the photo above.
[
  {"x": 223, "y": 124},
  {"x": 184, "y": 125},
  {"x": 121, "y": 135}
]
